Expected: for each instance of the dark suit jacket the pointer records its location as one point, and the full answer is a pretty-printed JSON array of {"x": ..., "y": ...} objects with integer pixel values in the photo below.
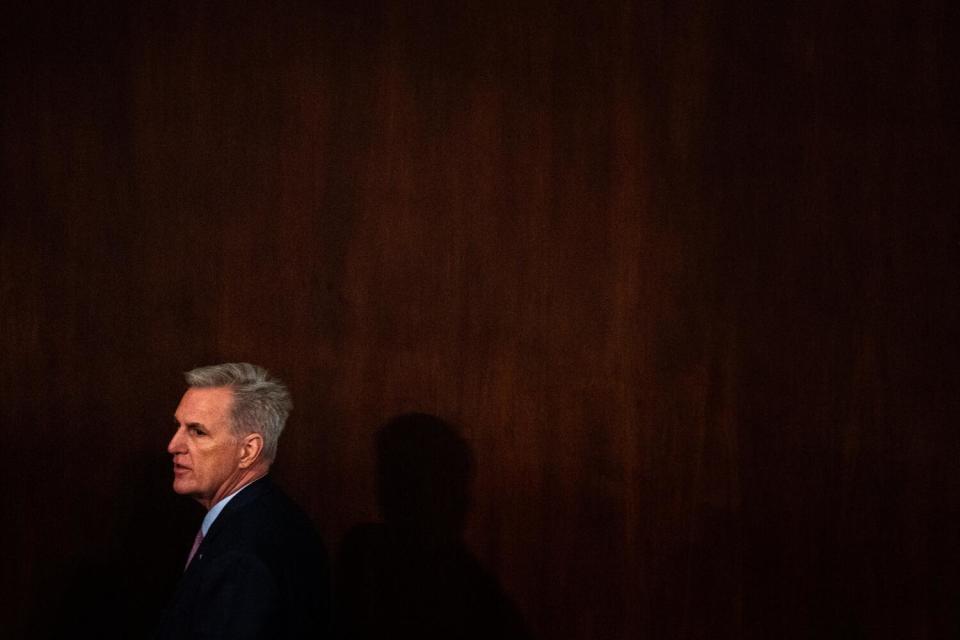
[{"x": 260, "y": 572}]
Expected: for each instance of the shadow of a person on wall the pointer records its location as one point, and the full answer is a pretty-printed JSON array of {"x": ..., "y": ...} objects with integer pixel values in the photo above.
[{"x": 412, "y": 575}]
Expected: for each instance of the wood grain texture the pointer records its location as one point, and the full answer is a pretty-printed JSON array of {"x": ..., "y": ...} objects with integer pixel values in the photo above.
[{"x": 685, "y": 274}]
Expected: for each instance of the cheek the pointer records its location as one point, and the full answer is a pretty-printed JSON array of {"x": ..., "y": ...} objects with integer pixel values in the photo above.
[{"x": 219, "y": 462}]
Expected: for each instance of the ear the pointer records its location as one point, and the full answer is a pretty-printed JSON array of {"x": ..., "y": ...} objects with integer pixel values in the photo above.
[{"x": 251, "y": 446}]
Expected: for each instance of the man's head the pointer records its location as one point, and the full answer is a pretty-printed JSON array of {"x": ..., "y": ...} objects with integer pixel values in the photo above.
[{"x": 228, "y": 425}]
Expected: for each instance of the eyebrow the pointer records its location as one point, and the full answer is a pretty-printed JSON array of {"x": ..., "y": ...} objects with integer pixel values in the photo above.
[{"x": 189, "y": 425}]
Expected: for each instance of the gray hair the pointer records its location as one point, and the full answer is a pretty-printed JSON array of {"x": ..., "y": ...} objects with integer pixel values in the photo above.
[{"x": 261, "y": 403}]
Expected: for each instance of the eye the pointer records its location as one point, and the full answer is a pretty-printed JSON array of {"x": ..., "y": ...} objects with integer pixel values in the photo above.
[{"x": 196, "y": 430}]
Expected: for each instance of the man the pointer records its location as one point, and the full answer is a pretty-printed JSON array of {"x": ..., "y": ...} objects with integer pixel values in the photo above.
[{"x": 257, "y": 568}]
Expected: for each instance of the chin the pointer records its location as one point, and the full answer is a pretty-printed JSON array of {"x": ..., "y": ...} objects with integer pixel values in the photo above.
[{"x": 182, "y": 488}]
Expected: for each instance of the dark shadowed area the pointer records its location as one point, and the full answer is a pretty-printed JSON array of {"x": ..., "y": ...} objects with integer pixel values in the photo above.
[
  {"x": 683, "y": 274},
  {"x": 411, "y": 575}
]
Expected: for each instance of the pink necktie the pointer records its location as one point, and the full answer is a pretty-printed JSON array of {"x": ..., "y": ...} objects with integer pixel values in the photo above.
[{"x": 196, "y": 545}]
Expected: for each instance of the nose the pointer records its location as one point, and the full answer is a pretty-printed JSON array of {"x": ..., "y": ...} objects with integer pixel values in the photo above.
[{"x": 176, "y": 444}]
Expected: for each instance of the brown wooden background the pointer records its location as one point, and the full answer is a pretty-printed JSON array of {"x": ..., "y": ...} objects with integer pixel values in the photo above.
[{"x": 685, "y": 272}]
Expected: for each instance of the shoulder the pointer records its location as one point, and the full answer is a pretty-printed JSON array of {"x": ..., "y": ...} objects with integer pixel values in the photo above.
[
  {"x": 266, "y": 538},
  {"x": 264, "y": 522}
]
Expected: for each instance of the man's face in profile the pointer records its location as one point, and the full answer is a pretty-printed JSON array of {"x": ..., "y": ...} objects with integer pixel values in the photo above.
[{"x": 204, "y": 448}]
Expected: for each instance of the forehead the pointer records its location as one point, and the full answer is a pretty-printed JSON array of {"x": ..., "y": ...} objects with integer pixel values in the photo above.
[{"x": 205, "y": 405}]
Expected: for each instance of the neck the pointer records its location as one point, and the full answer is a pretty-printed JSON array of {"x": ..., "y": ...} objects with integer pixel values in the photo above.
[{"x": 237, "y": 481}]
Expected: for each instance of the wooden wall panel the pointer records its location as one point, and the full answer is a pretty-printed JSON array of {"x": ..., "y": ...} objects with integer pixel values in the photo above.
[{"x": 683, "y": 273}]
